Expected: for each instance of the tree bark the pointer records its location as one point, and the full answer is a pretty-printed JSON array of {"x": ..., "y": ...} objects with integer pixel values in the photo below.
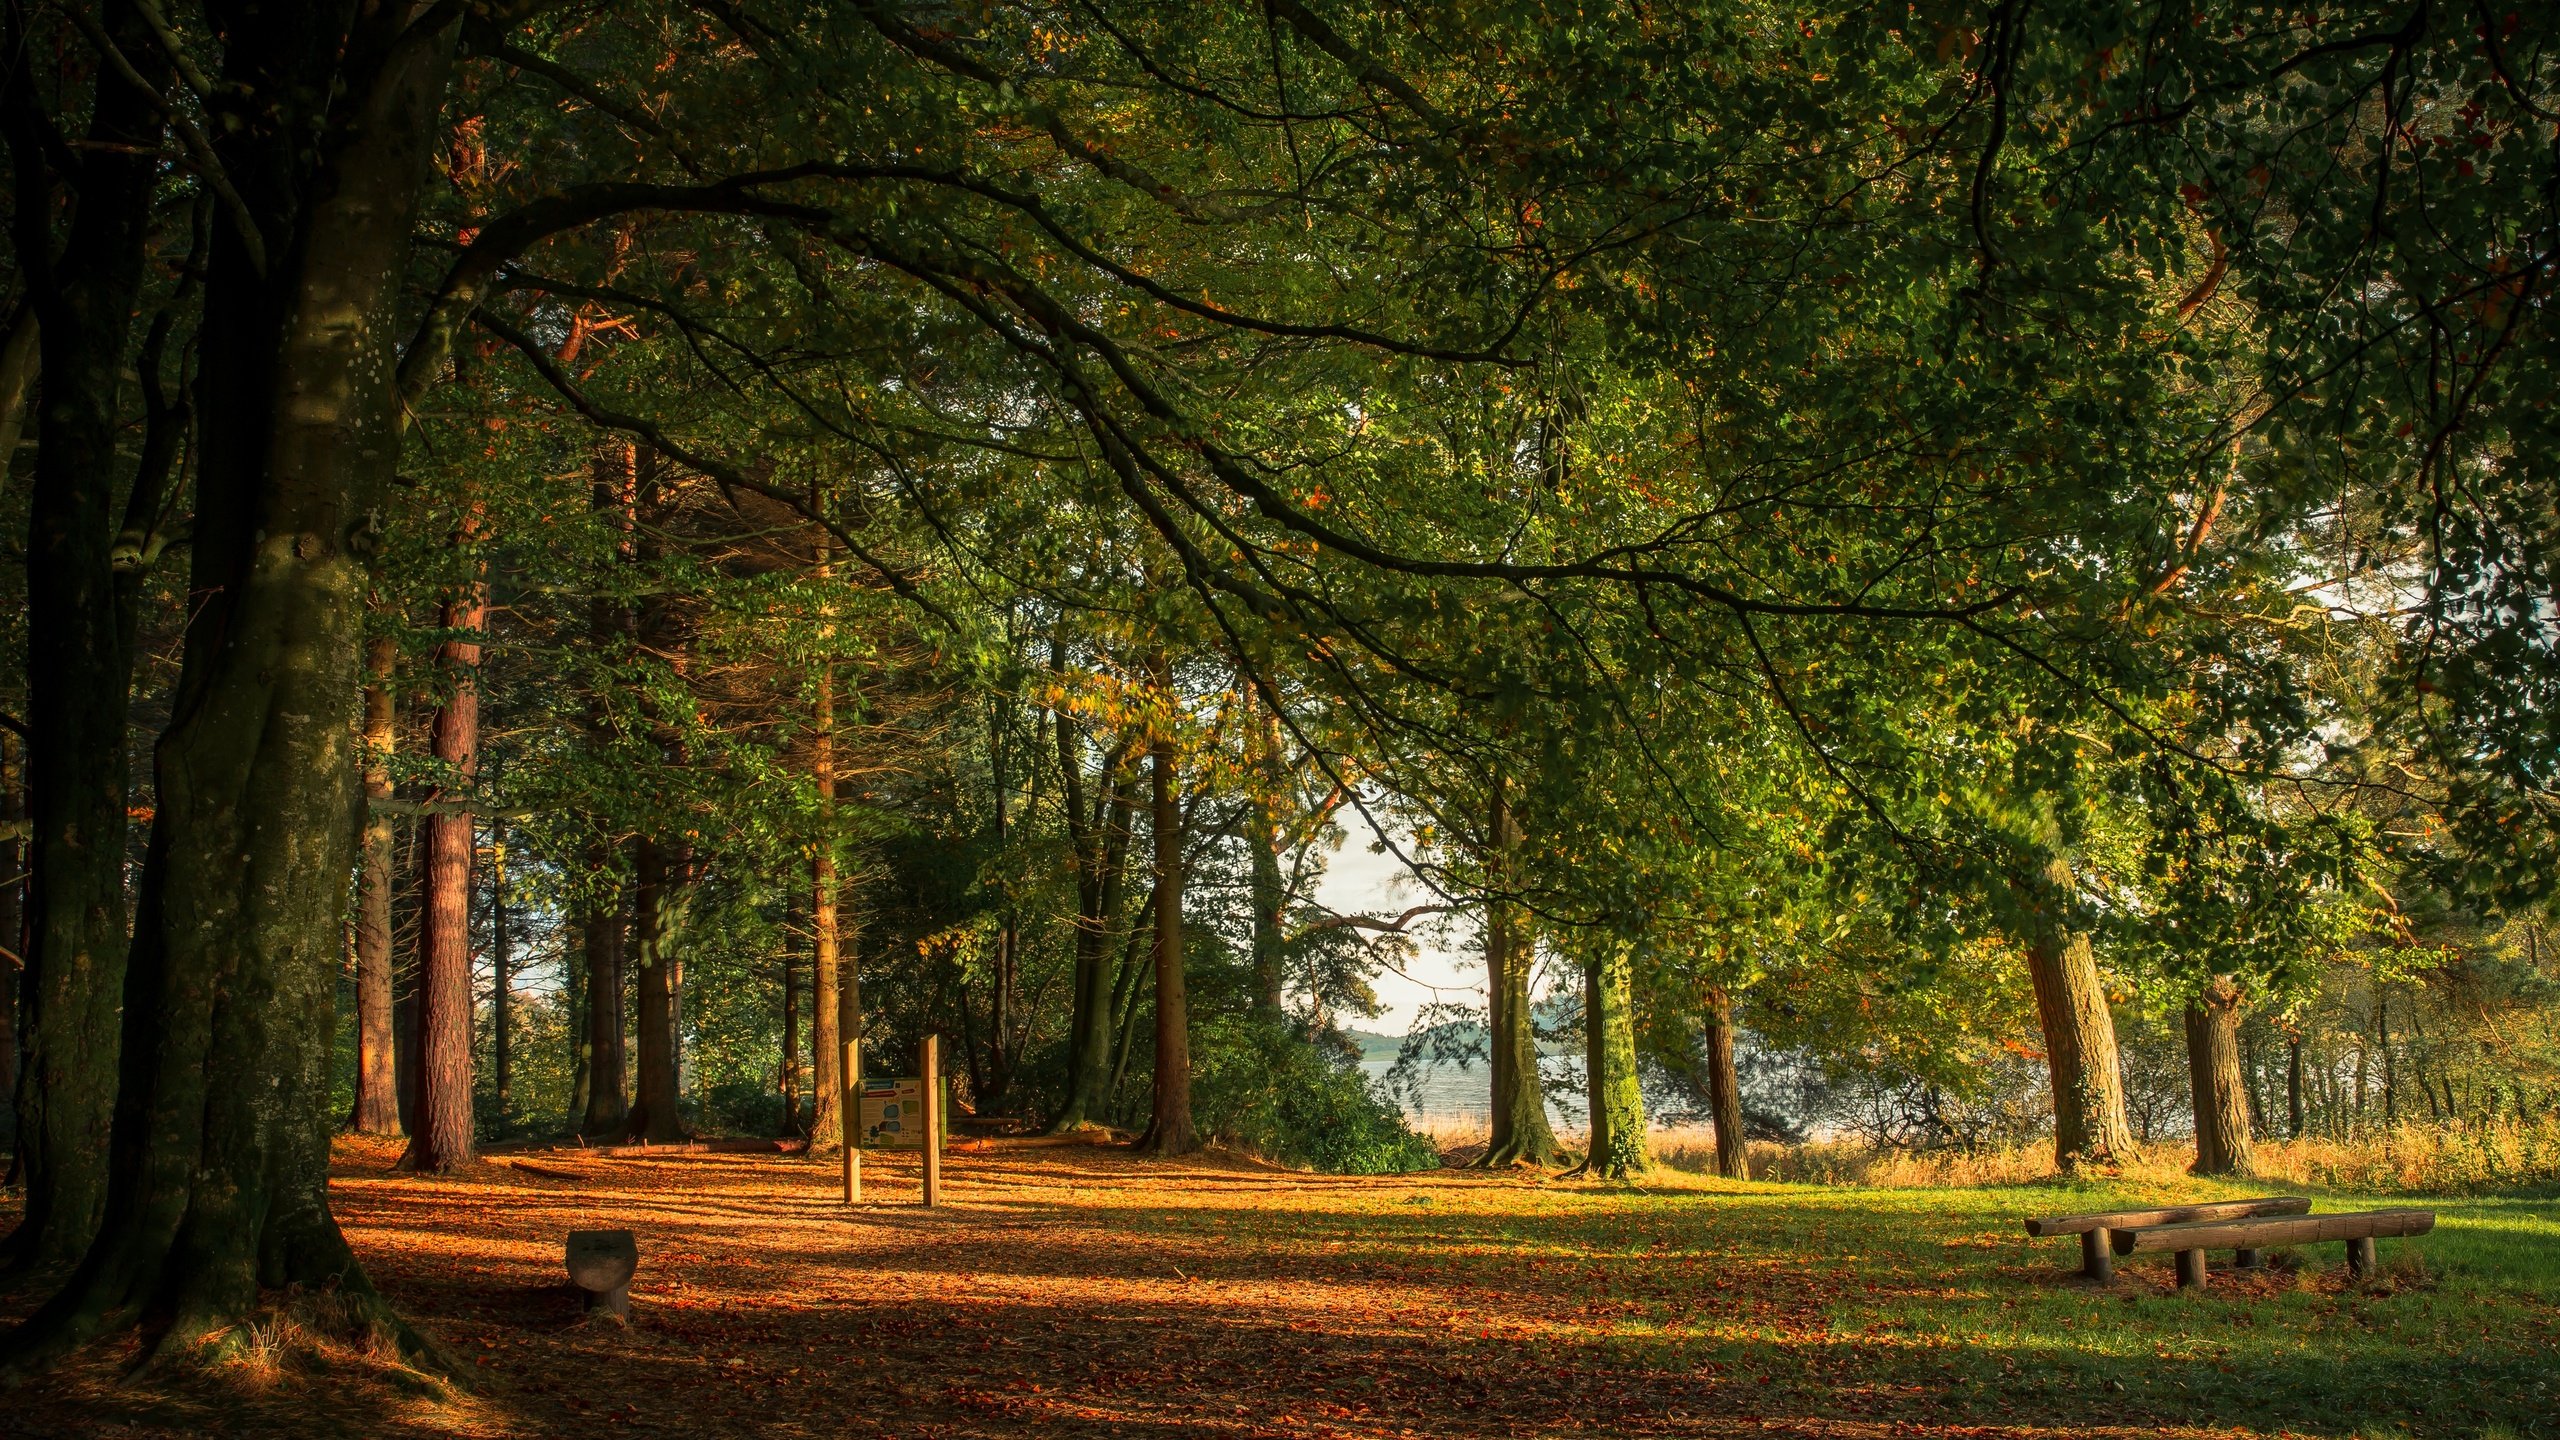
[
  {"x": 827, "y": 1126},
  {"x": 1618, "y": 1144},
  {"x": 1169, "y": 1128},
  {"x": 1520, "y": 1132},
  {"x": 78, "y": 661},
  {"x": 13, "y": 935},
  {"x": 2089, "y": 1126},
  {"x": 377, "y": 1102},
  {"x": 1724, "y": 1089},
  {"x": 2213, "y": 1073},
  {"x": 219, "y": 1160},
  {"x": 657, "y": 918},
  {"x": 2293, "y": 1087},
  {"x": 1099, "y": 830},
  {"x": 1270, "y": 941},
  {"x": 441, "y": 1134},
  {"x": 786, "y": 1078},
  {"x": 608, "y": 1107},
  {"x": 501, "y": 983}
]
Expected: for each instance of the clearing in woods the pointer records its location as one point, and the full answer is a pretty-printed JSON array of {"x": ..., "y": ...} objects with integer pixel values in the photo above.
[{"x": 1072, "y": 1290}]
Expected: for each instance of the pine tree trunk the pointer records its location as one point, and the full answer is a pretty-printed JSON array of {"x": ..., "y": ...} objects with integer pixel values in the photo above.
[
  {"x": 656, "y": 1111},
  {"x": 441, "y": 1134},
  {"x": 1520, "y": 1132},
  {"x": 1724, "y": 1089},
  {"x": 377, "y": 1102},
  {"x": 2213, "y": 1073},
  {"x": 1262, "y": 846},
  {"x": 84, "y": 285},
  {"x": 827, "y": 1123},
  {"x": 2089, "y": 1125},
  {"x": 1169, "y": 1128},
  {"x": 219, "y": 1160},
  {"x": 608, "y": 1108},
  {"x": 1618, "y": 1144}
]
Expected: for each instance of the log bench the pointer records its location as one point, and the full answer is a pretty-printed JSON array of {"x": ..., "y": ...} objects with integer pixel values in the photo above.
[
  {"x": 2097, "y": 1257},
  {"x": 2189, "y": 1240},
  {"x": 600, "y": 1265}
]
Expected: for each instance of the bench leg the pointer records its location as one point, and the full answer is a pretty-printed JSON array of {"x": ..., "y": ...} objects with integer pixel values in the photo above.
[
  {"x": 2360, "y": 1256},
  {"x": 615, "y": 1302},
  {"x": 2190, "y": 1268},
  {"x": 2244, "y": 1259},
  {"x": 2098, "y": 1255}
]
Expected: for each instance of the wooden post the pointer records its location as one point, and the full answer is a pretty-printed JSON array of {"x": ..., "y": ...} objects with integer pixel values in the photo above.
[
  {"x": 2190, "y": 1268},
  {"x": 849, "y": 1111},
  {"x": 932, "y": 1120},
  {"x": 2244, "y": 1260},
  {"x": 2360, "y": 1256},
  {"x": 2097, "y": 1255}
]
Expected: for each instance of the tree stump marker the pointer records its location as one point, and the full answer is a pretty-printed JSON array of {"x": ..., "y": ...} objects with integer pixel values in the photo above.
[{"x": 601, "y": 1263}]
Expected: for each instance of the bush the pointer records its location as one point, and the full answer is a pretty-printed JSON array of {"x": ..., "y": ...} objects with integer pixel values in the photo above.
[{"x": 1265, "y": 1088}]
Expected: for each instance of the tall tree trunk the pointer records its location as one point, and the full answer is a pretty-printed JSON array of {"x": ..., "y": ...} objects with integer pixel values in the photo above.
[
  {"x": 1169, "y": 1127},
  {"x": 13, "y": 930},
  {"x": 377, "y": 1102},
  {"x": 574, "y": 994},
  {"x": 501, "y": 982},
  {"x": 1521, "y": 1134},
  {"x": 1724, "y": 1089},
  {"x": 2213, "y": 1074},
  {"x": 1098, "y": 835},
  {"x": 1618, "y": 1145},
  {"x": 827, "y": 1125},
  {"x": 78, "y": 661},
  {"x": 1262, "y": 850},
  {"x": 657, "y": 918},
  {"x": 2089, "y": 1126},
  {"x": 608, "y": 1107},
  {"x": 787, "y": 1076},
  {"x": 219, "y": 1161},
  {"x": 440, "y": 1136}
]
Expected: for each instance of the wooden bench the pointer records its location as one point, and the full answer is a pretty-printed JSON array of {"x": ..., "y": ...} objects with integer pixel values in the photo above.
[
  {"x": 2189, "y": 1240},
  {"x": 2097, "y": 1259},
  {"x": 600, "y": 1264}
]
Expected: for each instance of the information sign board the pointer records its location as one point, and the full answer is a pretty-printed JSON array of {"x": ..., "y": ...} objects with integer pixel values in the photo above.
[{"x": 893, "y": 1114}]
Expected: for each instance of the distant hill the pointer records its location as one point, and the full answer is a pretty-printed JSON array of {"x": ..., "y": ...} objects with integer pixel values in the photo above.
[{"x": 1374, "y": 1046}]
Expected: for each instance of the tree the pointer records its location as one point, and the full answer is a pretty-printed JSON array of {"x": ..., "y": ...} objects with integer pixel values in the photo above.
[{"x": 442, "y": 1137}]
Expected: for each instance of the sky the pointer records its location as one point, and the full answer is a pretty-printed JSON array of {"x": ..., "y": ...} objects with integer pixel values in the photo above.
[{"x": 1362, "y": 877}]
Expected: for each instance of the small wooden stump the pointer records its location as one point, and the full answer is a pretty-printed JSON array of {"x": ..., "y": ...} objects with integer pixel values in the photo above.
[
  {"x": 2097, "y": 1255},
  {"x": 2360, "y": 1256},
  {"x": 2244, "y": 1260},
  {"x": 600, "y": 1265},
  {"x": 2190, "y": 1268}
]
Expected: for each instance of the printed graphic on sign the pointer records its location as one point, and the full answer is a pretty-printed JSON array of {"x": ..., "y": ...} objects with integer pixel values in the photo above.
[{"x": 892, "y": 1114}]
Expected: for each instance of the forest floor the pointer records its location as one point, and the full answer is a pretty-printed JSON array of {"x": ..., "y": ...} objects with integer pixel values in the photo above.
[{"x": 1071, "y": 1290}]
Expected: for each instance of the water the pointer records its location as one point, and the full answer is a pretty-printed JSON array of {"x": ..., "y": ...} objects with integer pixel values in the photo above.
[{"x": 1455, "y": 1097}]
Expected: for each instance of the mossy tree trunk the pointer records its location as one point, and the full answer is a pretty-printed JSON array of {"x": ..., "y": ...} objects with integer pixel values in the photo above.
[
  {"x": 1520, "y": 1132},
  {"x": 84, "y": 285},
  {"x": 2223, "y": 1141},
  {"x": 1618, "y": 1146},
  {"x": 218, "y": 1167}
]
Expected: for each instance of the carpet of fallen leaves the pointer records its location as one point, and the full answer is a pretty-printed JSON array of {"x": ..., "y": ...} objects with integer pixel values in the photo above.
[{"x": 1072, "y": 1290}]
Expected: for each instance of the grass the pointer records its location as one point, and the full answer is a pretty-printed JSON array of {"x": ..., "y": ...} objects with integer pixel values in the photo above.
[{"x": 1074, "y": 1291}]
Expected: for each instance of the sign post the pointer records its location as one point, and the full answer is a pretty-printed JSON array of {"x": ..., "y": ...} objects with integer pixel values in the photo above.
[
  {"x": 849, "y": 1109},
  {"x": 932, "y": 1120}
]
